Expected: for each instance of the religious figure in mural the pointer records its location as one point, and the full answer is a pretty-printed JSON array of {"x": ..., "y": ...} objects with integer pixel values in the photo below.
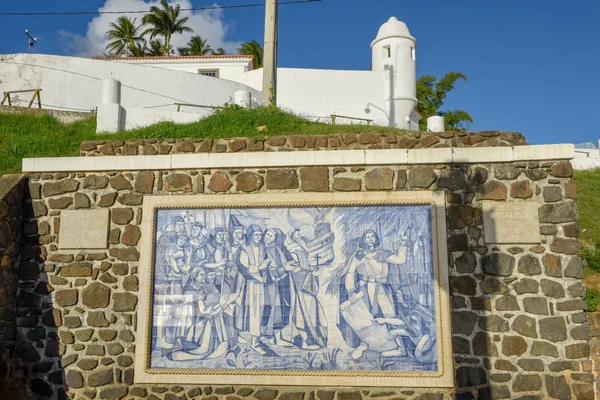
[{"x": 300, "y": 288}]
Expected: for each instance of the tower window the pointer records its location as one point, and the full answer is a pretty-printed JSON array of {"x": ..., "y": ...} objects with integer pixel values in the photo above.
[
  {"x": 387, "y": 51},
  {"x": 413, "y": 54}
]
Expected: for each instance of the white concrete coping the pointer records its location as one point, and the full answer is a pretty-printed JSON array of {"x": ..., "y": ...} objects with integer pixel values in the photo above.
[{"x": 462, "y": 155}]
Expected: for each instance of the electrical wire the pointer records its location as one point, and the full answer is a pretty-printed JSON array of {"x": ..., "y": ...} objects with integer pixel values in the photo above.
[{"x": 147, "y": 11}]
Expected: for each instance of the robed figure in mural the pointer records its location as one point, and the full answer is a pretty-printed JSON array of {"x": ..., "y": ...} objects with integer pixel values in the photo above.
[
  {"x": 253, "y": 265},
  {"x": 307, "y": 318},
  {"x": 277, "y": 308}
]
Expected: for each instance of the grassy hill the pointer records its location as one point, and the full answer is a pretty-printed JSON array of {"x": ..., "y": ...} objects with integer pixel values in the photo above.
[
  {"x": 588, "y": 202},
  {"x": 25, "y": 136}
]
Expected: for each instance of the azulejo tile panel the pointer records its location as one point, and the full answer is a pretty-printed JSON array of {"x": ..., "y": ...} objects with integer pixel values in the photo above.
[{"x": 320, "y": 287}]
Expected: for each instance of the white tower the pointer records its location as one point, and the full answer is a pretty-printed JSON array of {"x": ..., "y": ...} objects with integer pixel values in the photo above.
[{"x": 394, "y": 59}]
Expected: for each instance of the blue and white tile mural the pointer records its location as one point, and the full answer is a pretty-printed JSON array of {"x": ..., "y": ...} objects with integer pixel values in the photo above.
[{"x": 321, "y": 288}]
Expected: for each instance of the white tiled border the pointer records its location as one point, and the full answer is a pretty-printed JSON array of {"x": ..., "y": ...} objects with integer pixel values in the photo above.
[{"x": 466, "y": 155}]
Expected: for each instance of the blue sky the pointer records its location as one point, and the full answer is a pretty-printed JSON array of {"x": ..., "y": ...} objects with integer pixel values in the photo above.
[{"x": 531, "y": 69}]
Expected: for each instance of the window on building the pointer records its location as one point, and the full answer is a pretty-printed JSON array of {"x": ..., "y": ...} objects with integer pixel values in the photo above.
[
  {"x": 413, "y": 53},
  {"x": 209, "y": 72},
  {"x": 387, "y": 51}
]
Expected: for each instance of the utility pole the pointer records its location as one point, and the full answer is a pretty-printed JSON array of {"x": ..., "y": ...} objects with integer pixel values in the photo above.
[{"x": 269, "y": 91}]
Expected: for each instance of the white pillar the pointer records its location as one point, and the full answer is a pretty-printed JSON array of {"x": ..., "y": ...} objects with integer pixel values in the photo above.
[
  {"x": 110, "y": 112},
  {"x": 435, "y": 124},
  {"x": 243, "y": 98},
  {"x": 111, "y": 91}
]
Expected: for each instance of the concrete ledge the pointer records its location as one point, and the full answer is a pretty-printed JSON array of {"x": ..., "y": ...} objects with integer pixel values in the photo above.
[{"x": 284, "y": 159}]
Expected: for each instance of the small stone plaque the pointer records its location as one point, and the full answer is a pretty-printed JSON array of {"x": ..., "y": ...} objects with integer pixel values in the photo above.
[
  {"x": 83, "y": 229},
  {"x": 511, "y": 222}
]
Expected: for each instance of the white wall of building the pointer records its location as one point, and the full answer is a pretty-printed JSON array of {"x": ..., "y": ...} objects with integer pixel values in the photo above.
[
  {"x": 317, "y": 94},
  {"x": 586, "y": 159},
  {"x": 227, "y": 67},
  {"x": 72, "y": 83}
]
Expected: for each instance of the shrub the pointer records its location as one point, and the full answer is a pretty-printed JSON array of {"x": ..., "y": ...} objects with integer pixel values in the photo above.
[
  {"x": 592, "y": 298},
  {"x": 590, "y": 253}
]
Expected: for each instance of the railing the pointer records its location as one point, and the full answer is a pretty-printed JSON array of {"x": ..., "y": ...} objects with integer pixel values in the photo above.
[
  {"x": 36, "y": 93},
  {"x": 195, "y": 105},
  {"x": 335, "y": 117}
]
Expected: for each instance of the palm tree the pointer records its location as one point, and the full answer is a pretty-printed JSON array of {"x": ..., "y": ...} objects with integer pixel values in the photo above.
[
  {"x": 157, "y": 48},
  {"x": 195, "y": 47},
  {"x": 124, "y": 35},
  {"x": 165, "y": 21},
  {"x": 138, "y": 49},
  {"x": 253, "y": 48},
  {"x": 219, "y": 51}
]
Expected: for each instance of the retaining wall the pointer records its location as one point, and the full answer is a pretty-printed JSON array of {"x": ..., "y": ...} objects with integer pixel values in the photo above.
[{"x": 519, "y": 329}]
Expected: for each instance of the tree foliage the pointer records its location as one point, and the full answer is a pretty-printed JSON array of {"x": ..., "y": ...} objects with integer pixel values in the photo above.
[
  {"x": 253, "y": 48},
  {"x": 165, "y": 21},
  {"x": 124, "y": 35},
  {"x": 431, "y": 93},
  {"x": 196, "y": 47}
]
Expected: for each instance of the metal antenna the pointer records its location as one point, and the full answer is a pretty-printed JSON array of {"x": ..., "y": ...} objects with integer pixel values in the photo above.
[{"x": 30, "y": 41}]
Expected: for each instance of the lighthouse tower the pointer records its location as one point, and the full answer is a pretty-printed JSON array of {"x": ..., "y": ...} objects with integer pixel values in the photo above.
[{"x": 394, "y": 60}]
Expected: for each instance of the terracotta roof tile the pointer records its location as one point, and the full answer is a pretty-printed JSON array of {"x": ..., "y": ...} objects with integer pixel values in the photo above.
[{"x": 214, "y": 56}]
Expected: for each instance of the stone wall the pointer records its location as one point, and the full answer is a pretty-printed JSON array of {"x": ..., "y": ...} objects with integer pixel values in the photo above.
[
  {"x": 594, "y": 326},
  {"x": 518, "y": 325},
  {"x": 12, "y": 194},
  {"x": 409, "y": 140}
]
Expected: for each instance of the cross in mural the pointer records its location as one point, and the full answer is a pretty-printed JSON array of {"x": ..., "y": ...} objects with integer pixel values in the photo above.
[{"x": 315, "y": 288}]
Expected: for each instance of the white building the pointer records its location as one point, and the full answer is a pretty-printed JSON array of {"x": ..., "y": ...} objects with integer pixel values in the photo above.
[
  {"x": 385, "y": 95},
  {"x": 587, "y": 156}
]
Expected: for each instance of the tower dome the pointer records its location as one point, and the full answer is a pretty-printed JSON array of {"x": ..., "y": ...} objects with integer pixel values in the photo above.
[{"x": 393, "y": 28}]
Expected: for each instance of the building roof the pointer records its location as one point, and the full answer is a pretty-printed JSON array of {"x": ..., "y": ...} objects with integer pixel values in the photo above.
[
  {"x": 393, "y": 28},
  {"x": 174, "y": 58}
]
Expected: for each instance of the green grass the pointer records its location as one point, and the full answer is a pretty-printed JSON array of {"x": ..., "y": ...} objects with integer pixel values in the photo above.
[
  {"x": 592, "y": 298},
  {"x": 588, "y": 203},
  {"x": 26, "y": 136}
]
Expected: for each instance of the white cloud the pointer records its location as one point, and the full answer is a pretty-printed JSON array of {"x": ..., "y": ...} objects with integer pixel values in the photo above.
[{"x": 209, "y": 24}]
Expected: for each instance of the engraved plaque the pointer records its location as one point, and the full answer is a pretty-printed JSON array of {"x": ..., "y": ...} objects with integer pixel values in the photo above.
[
  {"x": 83, "y": 229},
  {"x": 511, "y": 222}
]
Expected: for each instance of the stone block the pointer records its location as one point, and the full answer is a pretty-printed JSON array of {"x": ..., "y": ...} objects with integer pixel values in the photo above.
[
  {"x": 513, "y": 345},
  {"x": 379, "y": 179},
  {"x": 421, "y": 177},
  {"x": 527, "y": 383},
  {"x": 553, "y": 329},
  {"x": 279, "y": 179},
  {"x": 493, "y": 190},
  {"x": 557, "y": 387},
  {"x": 83, "y": 229},
  {"x": 248, "y": 182},
  {"x": 512, "y": 222},
  {"x": 520, "y": 190},
  {"x": 96, "y": 295},
  {"x": 346, "y": 184},
  {"x": 499, "y": 264},
  {"x": 525, "y": 326}
]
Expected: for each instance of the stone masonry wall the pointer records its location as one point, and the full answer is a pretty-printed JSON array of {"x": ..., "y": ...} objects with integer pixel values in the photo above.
[
  {"x": 594, "y": 326},
  {"x": 12, "y": 195},
  {"x": 409, "y": 140},
  {"x": 518, "y": 326}
]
